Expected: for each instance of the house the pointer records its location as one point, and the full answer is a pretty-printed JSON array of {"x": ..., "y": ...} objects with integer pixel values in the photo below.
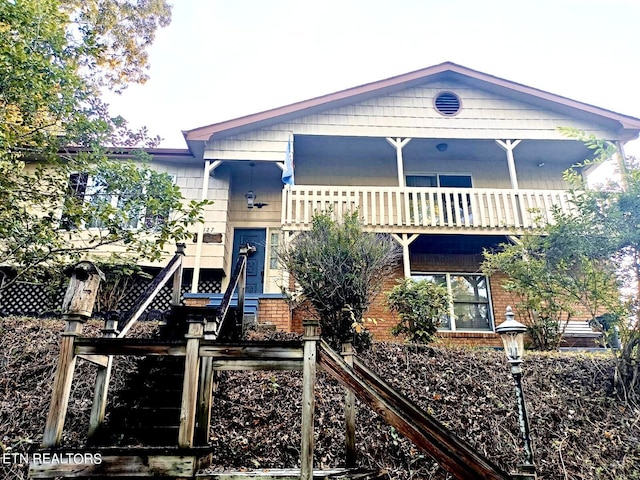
[{"x": 447, "y": 159}]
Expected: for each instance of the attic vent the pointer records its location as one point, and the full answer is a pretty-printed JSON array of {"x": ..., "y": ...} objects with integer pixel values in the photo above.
[{"x": 447, "y": 104}]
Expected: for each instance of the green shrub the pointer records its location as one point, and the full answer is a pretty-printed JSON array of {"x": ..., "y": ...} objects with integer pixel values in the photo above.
[
  {"x": 340, "y": 268},
  {"x": 420, "y": 305}
]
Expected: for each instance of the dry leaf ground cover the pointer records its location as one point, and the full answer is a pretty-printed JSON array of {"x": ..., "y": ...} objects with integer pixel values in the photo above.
[{"x": 580, "y": 429}]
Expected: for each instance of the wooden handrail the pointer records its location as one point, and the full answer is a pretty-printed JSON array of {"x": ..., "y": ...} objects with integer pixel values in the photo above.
[
  {"x": 238, "y": 280},
  {"x": 451, "y": 452},
  {"x": 425, "y": 208},
  {"x": 152, "y": 290}
]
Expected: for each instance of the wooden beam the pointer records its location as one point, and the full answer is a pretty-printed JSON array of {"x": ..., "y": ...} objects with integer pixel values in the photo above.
[
  {"x": 127, "y": 346},
  {"x": 508, "y": 146},
  {"x": 349, "y": 412},
  {"x": 208, "y": 384},
  {"x": 147, "y": 297},
  {"x": 100, "y": 360},
  {"x": 122, "y": 466},
  {"x": 405, "y": 240},
  {"x": 290, "y": 353},
  {"x": 308, "y": 398},
  {"x": 99, "y": 405},
  {"x": 176, "y": 289},
  {"x": 211, "y": 169},
  {"x": 294, "y": 474},
  {"x": 249, "y": 352},
  {"x": 62, "y": 384},
  {"x": 399, "y": 144},
  {"x": 453, "y": 454},
  {"x": 208, "y": 168},
  {"x": 254, "y": 365},
  {"x": 190, "y": 384},
  {"x": 203, "y": 406}
]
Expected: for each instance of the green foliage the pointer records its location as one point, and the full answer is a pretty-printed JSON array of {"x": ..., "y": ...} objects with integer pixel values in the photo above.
[
  {"x": 119, "y": 275},
  {"x": 114, "y": 36},
  {"x": 55, "y": 58},
  {"x": 420, "y": 305},
  {"x": 610, "y": 217},
  {"x": 556, "y": 274},
  {"x": 133, "y": 207},
  {"x": 340, "y": 268},
  {"x": 587, "y": 260}
]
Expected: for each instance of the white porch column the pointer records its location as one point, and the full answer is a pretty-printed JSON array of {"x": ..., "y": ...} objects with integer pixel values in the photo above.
[
  {"x": 620, "y": 158},
  {"x": 508, "y": 146},
  {"x": 399, "y": 144},
  {"x": 405, "y": 240},
  {"x": 209, "y": 167}
]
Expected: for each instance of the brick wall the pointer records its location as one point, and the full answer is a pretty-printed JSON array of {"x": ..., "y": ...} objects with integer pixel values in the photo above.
[
  {"x": 378, "y": 310},
  {"x": 275, "y": 311},
  {"x": 196, "y": 302},
  {"x": 500, "y": 299},
  {"x": 386, "y": 320}
]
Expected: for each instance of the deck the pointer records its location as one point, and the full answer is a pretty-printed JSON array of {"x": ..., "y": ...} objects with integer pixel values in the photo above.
[{"x": 426, "y": 210}]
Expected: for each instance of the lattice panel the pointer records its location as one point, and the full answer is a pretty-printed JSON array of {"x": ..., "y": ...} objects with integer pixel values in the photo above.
[
  {"x": 163, "y": 299},
  {"x": 36, "y": 299},
  {"x": 24, "y": 297}
]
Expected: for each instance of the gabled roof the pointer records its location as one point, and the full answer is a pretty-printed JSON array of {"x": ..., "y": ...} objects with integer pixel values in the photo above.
[{"x": 447, "y": 70}]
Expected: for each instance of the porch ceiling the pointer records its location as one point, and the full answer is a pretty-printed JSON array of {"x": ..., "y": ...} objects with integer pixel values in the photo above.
[{"x": 309, "y": 148}]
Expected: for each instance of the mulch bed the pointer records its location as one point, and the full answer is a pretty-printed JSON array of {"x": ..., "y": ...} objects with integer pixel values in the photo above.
[{"x": 581, "y": 430}]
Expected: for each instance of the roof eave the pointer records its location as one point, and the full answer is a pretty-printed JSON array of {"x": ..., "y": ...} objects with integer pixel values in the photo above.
[{"x": 626, "y": 123}]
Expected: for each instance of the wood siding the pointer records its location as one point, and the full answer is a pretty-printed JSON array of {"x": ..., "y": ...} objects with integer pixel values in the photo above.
[{"x": 408, "y": 113}]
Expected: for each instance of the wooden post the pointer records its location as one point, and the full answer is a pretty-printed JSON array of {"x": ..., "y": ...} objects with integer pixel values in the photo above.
[
  {"x": 190, "y": 384},
  {"x": 508, "y": 146},
  {"x": 176, "y": 292},
  {"x": 103, "y": 376},
  {"x": 62, "y": 384},
  {"x": 77, "y": 307},
  {"x": 242, "y": 287},
  {"x": 208, "y": 384},
  {"x": 349, "y": 412},
  {"x": 398, "y": 144},
  {"x": 310, "y": 339},
  {"x": 405, "y": 240}
]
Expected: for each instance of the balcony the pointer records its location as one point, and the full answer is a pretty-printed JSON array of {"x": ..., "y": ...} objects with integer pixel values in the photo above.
[{"x": 426, "y": 210}]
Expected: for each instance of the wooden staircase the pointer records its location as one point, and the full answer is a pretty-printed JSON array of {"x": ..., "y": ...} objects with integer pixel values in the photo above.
[
  {"x": 164, "y": 431},
  {"x": 149, "y": 407}
]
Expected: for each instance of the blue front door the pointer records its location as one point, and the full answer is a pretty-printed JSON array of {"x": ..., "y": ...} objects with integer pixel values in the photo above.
[{"x": 255, "y": 263}]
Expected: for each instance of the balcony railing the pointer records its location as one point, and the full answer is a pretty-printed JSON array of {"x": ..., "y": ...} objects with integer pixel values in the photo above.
[{"x": 416, "y": 209}]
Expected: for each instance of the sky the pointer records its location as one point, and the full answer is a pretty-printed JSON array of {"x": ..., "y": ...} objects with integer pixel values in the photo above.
[{"x": 222, "y": 59}]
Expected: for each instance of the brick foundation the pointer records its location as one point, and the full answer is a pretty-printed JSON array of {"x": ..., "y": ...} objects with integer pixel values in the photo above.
[
  {"x": 196, "y": 302},
  {"x": 275, "y": 311}
]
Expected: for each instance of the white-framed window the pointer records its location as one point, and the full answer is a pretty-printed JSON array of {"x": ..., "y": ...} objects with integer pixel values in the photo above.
[
  {"x": 94, "y": 190},
  {"x": 274, "y": 249},
  {"x": 439, "y": 180},
  {"x": 470, "y": 308},
  {"x": 276, "y": 278}
]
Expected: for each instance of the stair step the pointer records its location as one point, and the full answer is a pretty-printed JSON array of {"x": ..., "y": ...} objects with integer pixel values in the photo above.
[{"x": 150, "y": 406}]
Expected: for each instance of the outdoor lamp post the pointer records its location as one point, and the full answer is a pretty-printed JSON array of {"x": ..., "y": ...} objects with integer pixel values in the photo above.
[{"x": 512, "y": 334}]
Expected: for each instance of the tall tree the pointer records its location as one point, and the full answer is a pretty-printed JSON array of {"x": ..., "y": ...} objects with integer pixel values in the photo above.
[
  {"x": 56, "y": 58},
  {"x": 587, "y": 260}
]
